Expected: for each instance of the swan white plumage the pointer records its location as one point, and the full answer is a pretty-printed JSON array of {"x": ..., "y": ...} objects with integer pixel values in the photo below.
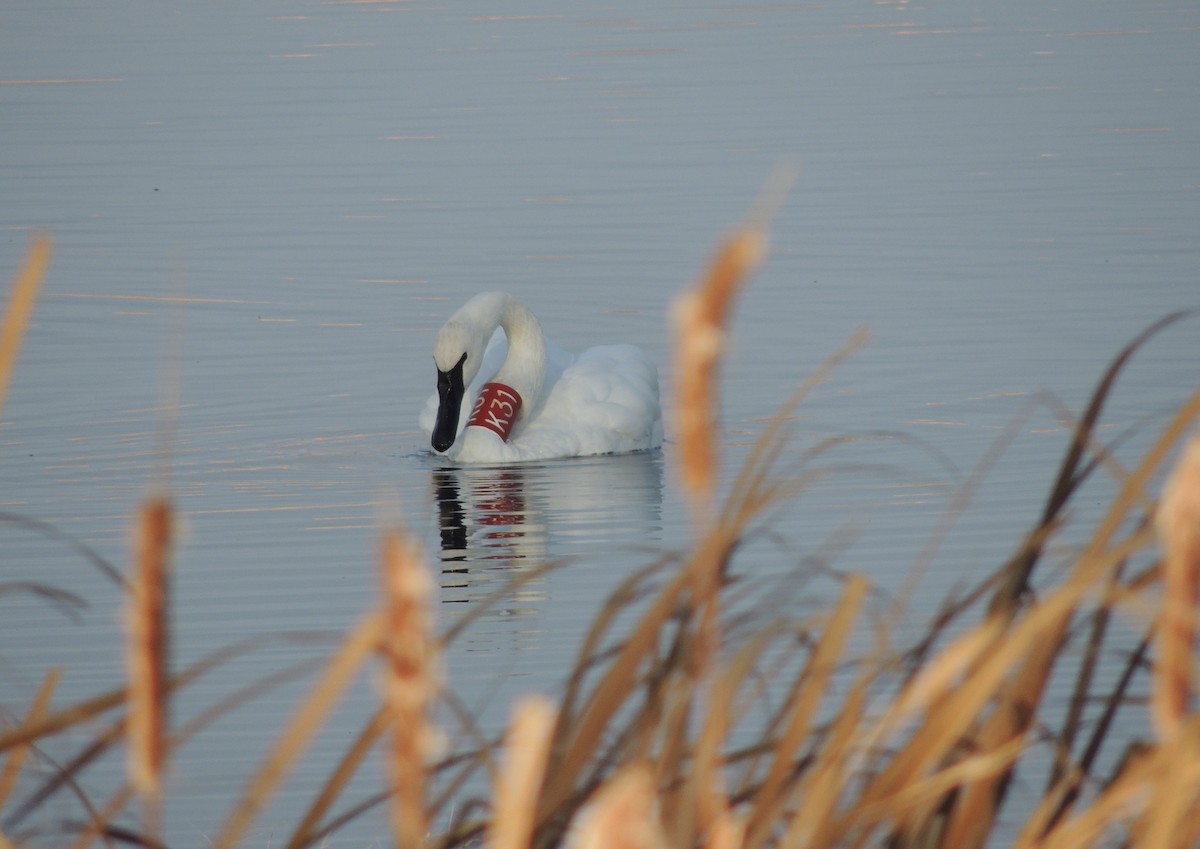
[{"x": 506, "y": 394}]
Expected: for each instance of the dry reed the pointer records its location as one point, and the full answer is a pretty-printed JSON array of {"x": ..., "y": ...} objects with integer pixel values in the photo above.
[
  {"x": 16, "y": 757},
  {"x": 298, "y": 733},
  {"x": 622, "y": 816},
  {"x": 25, "y": 286},
  {"x": 526, "y": 750},
  {"x": 1178, "y": 520},
  {"x": 147, "y": 655},
  {"x": 701, "y": 317},
  {"x": 410, "y": 681}
]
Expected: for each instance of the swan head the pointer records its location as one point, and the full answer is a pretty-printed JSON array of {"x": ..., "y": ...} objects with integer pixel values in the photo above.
[{"x": 457, "y": 353}]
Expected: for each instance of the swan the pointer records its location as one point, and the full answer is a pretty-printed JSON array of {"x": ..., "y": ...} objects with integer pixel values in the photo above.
[{"x": 506, "y": 394}]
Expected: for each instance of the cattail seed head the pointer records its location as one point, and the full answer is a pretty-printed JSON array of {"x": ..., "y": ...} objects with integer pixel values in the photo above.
[
  {"x": 147, "y": 652},
  {"x": 410, "y": 681}
]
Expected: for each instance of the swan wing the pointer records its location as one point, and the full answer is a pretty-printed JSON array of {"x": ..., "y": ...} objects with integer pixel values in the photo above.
[{"x": 605, "y": 403}]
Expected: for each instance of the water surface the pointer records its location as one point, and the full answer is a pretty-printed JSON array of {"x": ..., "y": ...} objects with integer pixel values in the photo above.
[{"x": 264, "y": 211}]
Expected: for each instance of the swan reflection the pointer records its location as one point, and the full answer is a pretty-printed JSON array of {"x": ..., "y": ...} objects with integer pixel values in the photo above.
[{"x": 496, "y": 521}]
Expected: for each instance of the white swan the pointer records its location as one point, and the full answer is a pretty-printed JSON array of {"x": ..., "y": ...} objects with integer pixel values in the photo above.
[{"x": 526, "y": 398}]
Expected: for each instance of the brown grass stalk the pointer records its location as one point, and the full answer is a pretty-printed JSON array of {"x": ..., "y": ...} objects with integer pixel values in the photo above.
[
  {"x": 1165, "y": 822},
  {"x": 705, "y": 782},
  {"x": 678, "y": 810},
  {"x": 700, "y": 318},
  {"x": 302, "y": 835},
  {"x": 622, "y": 815},
  {"x": 527, "y": 747},
  {"x": 583, "y": 734},
  {"x": 912, "y": 805},
  {"x": 1154, "y": 797},
  {"x": 410, "y": 681},
  {"x": 309, "y": 715},
  {"x": 23, "y": 296},
  {"x": 804, "y": 699},
  {"x": 1134, "y": 487},
  {"x": 815, "y": 821},
  {"x": 1072, "y": 473},
  {"x": 975, "y": 808},
  {"x": 728, "y": 831},
  {"x": 1178, "y": 520},
  {"x": 16, "y": 757},
  {"x": 947, "y": 720},
  {"x": 147, "y": 655},
  {"x": 99, "y": 821}
]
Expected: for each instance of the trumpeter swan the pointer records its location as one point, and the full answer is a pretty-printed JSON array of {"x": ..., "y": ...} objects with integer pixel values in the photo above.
[{"x": 506, "y": 394}]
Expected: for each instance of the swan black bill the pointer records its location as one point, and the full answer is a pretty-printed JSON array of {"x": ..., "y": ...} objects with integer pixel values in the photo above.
[{"x": 450, "y": 395}]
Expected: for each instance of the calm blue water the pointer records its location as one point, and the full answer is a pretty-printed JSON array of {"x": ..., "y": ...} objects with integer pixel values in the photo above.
[{"x": 269, "y": 209}]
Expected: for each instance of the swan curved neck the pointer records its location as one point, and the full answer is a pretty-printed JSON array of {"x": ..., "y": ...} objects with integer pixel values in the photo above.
[{"x": 525, "y": 365}]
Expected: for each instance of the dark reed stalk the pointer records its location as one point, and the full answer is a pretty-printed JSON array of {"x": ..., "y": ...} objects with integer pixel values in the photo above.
[{"x": 1071, "y": 474}]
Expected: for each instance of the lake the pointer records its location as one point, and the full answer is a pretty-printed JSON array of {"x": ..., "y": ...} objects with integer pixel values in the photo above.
[{"x": 262, "y": 212}]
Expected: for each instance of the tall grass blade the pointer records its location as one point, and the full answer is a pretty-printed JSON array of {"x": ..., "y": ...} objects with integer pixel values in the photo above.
[
  {"x": 527, "y": 748},
  {"x": 584, "y": 734},
  {"x": 339, "y": 778},
  {"x": 82, "y": 549},
  {"x": 1067, "y": 785},
  {"x": 21, "y": 301},
  {"x": 1178, "y": 521},
  {"x": 815, "y": 820},
  {"x": 16, "y": 757},
  {"x": 803, "y": 701},
  {"x": 1069, "y": 474},
  {"x": 300, "y": 729}
]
